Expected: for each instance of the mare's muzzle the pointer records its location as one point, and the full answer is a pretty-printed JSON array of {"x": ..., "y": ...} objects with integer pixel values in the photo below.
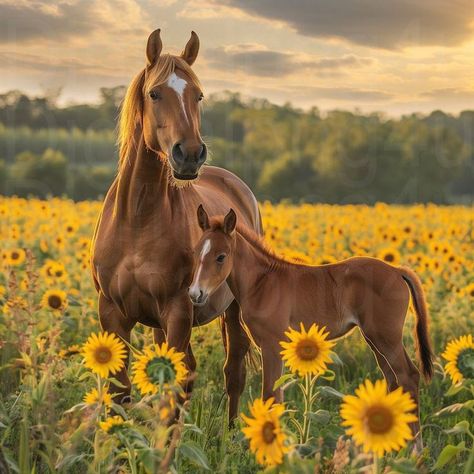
[{"x": 186, "y": 160}]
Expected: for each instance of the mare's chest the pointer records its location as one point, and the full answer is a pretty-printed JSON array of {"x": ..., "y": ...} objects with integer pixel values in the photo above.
[{"x": 147, "y": 263}]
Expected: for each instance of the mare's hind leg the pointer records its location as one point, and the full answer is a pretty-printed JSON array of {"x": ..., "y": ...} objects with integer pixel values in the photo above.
[
  {"x": 399, "y": 371},
  {"x": 113, "y": 321},
  {"x": 237, "y": 345}
]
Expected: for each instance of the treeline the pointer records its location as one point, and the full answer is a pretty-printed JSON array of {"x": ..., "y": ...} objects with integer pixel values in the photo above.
[{"x": 280, "y": 151}]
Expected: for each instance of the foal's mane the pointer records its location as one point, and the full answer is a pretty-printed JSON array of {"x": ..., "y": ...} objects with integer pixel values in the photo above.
[
  {"x": 257, "y": 241},
  {"x": 131, "y": 112}
]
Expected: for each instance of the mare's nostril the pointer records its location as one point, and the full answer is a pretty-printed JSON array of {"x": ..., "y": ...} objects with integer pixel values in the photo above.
[
  {"x": 178, "y": 152},
  {"x": 202, "y": 153}
]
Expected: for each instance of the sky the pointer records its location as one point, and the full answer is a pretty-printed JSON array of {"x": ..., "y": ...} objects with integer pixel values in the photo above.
[{"x": 391, "y": 56}]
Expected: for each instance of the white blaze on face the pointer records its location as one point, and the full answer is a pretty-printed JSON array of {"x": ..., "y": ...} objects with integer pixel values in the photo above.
[
  {"x": 204, "y": 251},
  {"x": 178, "y": 85}
]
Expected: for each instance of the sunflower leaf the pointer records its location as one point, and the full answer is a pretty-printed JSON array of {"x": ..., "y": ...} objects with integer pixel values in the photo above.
[
  {"x": 448, "y": 453},
  {"x": 454, "y": 408},
  {"x": 458, "y": 428},
  {"x": 330, "y": 392},
  {"x": 194, "y": 454},
  {"x": 284, "y": 378}
]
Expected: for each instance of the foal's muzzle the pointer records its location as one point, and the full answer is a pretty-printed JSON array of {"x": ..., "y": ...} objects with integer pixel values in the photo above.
[
  {"x": 198, "y": 297},
  {"x": 186, "y": 160}
]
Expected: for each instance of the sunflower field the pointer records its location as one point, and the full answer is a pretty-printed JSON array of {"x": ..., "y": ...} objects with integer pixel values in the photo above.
[{"x": 56, "y": 365}]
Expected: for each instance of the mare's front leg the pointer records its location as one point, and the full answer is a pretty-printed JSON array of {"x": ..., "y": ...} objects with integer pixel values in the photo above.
[
  {"x": 178, "y": 321},
  {"x": 113, "y": 321}
]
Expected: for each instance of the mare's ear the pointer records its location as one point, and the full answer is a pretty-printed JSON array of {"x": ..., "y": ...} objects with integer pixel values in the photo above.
[
  {"x": 203, "y": 218},
  {"x": 230, "y": 221},
  {"x": 153, "y": 47},
  {"x": 191, "y": 49}
]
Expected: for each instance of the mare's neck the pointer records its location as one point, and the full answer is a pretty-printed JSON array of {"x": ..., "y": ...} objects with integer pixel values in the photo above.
[{"x": 144, "y": 187}]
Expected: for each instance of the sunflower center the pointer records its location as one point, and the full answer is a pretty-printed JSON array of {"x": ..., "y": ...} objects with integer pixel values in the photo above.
[
  {"x": 389, "y": 257},
  {"x": 15, "y": 255},
  {"x": 466, "y": 363},
  {"x": 161, "y": 370},
  {"x": 103, "y": 355},
  {"x": 54, "y": 301},
  {"x": 307, "y": 349},
  {"x": 379, "y": 419},
  {"x": 268, "y": 432}
]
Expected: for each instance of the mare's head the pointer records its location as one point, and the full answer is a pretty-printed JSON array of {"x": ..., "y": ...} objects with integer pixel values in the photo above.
[
  {"x": 164, "y": 99},
  {"x": 213, "y": 255}
]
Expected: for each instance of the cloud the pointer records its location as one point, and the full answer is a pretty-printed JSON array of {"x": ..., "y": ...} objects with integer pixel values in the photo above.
[
  {"x": 448, "y": 93},
  {"x": 375, "y": 23},
  {"x": 256, "y": 60},
  {"x": 345, "y": 94},
  {"x": 27, "y": 20}
]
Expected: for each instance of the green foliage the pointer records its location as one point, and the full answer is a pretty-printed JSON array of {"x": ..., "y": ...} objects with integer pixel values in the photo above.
[
  {"x": 279, "y": 151},
  {"x": 41, "y": 175}
]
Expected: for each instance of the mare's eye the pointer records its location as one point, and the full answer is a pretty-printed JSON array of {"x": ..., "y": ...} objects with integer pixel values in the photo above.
[
  {"x": 221, "y": 258},
  {"x": 154, "y": 95},
  {"x": 201, "y": 96}
]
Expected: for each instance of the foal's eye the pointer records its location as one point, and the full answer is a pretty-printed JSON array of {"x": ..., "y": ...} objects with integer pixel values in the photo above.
[
  {"x": 221, "y": 258},
  {"x": 154, "y": 95},
  {"x": 201, "y": 96}
]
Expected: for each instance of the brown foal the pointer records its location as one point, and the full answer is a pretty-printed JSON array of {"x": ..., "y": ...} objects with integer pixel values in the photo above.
[
  {"x": 142, "y": 253},
  {"x": 274, "y": 294}
]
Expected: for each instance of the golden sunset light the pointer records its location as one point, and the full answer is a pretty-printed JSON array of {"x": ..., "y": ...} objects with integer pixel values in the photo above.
[{"x": 396, "y": 57}]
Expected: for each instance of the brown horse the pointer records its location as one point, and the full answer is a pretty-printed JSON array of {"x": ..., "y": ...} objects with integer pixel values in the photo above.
[
  {"x": 142, "y": 259},
  {"x": 275, "y": 294}
]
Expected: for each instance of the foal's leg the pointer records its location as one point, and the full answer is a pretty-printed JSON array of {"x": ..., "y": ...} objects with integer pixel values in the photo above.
[
  {"x": 237, "y": 345},
  {"x": 113, "y": 321},
  {"x": 272, "y": 368},
  {"x": 399, "y": 371}
]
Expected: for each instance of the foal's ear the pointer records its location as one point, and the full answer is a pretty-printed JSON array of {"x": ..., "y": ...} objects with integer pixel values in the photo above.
[
  {"x": 191, "y": 49},
  {"x": 203, "y": 218},
  {"x": 153, "y": 47},
  {"x": 230, "y": 221}
]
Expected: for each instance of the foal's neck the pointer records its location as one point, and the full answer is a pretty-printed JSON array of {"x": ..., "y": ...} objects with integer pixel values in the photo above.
[{"x": 251, "y": 265}]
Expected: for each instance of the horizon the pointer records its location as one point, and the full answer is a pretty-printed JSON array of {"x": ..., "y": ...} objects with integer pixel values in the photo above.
[{"x": 411, "y": 58}]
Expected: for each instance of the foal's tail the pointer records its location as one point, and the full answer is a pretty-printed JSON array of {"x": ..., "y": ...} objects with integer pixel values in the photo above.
[{"x": 425, "y": 353}]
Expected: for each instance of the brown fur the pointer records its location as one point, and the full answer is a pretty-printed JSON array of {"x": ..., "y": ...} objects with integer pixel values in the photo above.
[
  {"x": 274, "y": 294},
  {"x": 142, "y": 253}
]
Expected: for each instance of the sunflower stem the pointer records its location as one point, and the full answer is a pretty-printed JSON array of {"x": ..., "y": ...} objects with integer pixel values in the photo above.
[
  {"x": 308, "y": 386},
  {"x": 376, "y": 466}
]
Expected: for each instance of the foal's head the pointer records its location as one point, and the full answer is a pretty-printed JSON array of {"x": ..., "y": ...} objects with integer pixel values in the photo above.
[
  {"x": 213, "y": 255},
  {"x": 164, "y": 98}
]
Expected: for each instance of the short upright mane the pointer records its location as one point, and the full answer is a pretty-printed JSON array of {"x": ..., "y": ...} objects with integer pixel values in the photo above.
[
  {"x": 131, "y": 113},
  {"x": 253, "y": 239}
]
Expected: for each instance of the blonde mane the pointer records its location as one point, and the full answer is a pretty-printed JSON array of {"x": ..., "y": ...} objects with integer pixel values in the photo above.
[{"x": 131, "y": 113}]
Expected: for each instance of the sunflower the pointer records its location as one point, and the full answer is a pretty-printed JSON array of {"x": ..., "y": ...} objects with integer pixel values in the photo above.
[
  {"x": 307, "y": 352},
  {"x": 104, "y": 353},
  {"x": 16, "y": 257},
  {"x": 158, "y": 365},
  {"x": 460, "y": 356},
  {"x": 54, "y": 300},
  {"x": 377, "y": 420},
  {"x": 92, "y": 398},
  {"x": 267, "y": 440},
  {"x": 112, "y": 423},
  {"x": 390, "y": 255},
  {"x": 468, "y": 291}
]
